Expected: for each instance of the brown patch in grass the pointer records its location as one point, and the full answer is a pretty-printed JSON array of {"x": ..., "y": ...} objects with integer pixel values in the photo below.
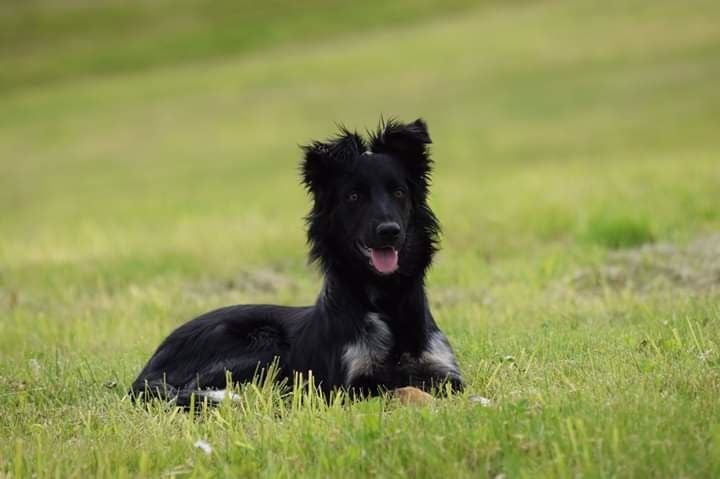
[
  {"x": 258, "y": 282},
  {"x": 452, "y": 296},
  {"x": 694, "y": 267}
]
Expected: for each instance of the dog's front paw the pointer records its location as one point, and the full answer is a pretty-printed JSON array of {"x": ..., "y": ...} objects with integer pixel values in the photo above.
[{"x": 412, "y": 396}]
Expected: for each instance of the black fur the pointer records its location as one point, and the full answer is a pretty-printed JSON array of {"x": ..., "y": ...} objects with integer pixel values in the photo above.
[{"x": 371, "y": 328}]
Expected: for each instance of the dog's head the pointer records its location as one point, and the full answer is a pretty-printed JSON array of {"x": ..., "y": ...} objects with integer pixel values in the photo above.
[{"x": 370, "y": 211}]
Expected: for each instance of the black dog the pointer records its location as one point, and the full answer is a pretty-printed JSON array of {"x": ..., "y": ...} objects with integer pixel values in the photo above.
[{"x": 374, "y": 236}]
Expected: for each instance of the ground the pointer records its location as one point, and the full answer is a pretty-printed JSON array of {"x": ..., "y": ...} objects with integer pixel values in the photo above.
[{"x": 143, "y": 181}]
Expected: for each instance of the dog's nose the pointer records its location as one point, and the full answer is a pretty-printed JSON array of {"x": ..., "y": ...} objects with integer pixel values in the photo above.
[{"x": 388, "y": 231}]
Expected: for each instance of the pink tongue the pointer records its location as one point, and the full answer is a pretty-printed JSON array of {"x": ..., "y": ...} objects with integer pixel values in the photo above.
[{"x": 384, "y": 260}]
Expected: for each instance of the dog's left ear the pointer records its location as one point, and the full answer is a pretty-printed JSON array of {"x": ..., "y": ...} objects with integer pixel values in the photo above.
[{"x": 407, "y": 142}]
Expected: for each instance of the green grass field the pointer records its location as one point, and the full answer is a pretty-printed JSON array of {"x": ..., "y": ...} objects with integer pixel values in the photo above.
[{"x": 148, "y": 173}]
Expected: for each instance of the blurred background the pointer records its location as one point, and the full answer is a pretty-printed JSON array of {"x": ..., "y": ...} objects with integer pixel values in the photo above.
[
  {"x": 149, "y": 149},
  {"x": 149, "y": 172}
]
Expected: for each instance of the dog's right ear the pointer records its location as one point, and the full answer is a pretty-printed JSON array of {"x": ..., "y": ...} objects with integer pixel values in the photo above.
[
  {"x": 325, "y": 160},
  {"x": 408, "y": 142}
]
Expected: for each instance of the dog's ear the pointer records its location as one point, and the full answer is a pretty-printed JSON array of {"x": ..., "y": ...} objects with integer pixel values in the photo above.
[
  {"x": 407, "y": 142},
  {"x": 324, "y": 160}
]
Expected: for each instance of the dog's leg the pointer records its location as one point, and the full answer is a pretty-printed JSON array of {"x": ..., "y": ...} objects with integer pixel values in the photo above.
[
  {"x": 146, "y": 390},
  {"x": 438, "y": 363}
]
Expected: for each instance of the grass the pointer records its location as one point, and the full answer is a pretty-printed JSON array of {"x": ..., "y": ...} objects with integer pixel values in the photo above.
[
  {"x": 619, "y": 231},
  {"x": 43, "y": 41},
  {"x": 576, "y": 147}
]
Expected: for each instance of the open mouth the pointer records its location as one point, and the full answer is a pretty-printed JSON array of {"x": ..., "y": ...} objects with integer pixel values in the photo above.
[{"x": 384, "y": 260}]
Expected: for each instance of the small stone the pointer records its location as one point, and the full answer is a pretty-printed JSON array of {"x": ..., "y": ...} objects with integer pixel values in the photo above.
[
  {"x": 413, "y": 396},
  {"x": 204, "y": 446},
  {"x": 483, "y": 401}
]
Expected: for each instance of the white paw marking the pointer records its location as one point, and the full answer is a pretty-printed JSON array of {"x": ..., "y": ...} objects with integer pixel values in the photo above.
[
  {"x": 371, "y": 348},
  {"x": 218, "y": 395}
]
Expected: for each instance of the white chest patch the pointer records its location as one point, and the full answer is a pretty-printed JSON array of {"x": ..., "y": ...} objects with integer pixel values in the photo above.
[
  {"x": 438, "y": 355},
  {"x": 369, "y": 350}
]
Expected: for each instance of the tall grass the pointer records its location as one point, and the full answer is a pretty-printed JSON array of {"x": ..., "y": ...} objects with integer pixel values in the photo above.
[{"x": 576, "y": 180}]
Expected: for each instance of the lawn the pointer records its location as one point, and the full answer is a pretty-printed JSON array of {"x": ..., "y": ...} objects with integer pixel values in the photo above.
[{"x": 151, "y": 175}]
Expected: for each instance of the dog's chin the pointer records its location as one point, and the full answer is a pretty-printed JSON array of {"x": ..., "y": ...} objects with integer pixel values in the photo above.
[{"x": 383, "y": 261}]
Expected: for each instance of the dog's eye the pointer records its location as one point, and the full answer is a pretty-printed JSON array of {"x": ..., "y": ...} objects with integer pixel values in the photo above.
[
  {"x": 399, "y": 194},
  {"x": 353, "y": 196}
]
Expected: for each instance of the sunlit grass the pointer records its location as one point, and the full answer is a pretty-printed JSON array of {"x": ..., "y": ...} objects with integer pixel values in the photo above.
[
  {"x": 576, "y": 156},
  {"x": 618, "y": 231}
]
